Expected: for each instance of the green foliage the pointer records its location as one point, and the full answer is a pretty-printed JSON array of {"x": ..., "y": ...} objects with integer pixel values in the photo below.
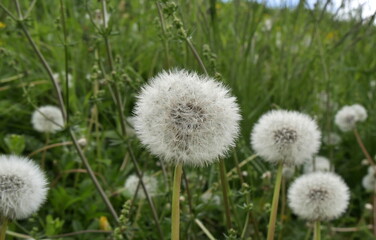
[{"x": 301, "y": 59}]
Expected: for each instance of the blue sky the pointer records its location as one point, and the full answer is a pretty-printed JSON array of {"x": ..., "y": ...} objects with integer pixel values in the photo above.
[{"x": 369, "y": 6}]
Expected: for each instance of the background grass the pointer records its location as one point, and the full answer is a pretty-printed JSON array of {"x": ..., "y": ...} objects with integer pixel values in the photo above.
[{"x": 300, "y": 59}]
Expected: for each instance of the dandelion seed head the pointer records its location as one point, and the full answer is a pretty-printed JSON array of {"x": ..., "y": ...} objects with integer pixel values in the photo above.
[
  {"x": 150, "y": 182},
  {"x": 47, "y": 119},
  {"x": 317, "y": 164},
  {"x": 287, "y": 136},
  {"x": 23, "y": 187},
  {"x": 368, "y": 182},
  {"x": 347, "y": 117},
  {"x": 186, "y": 118},
  {"x": 318, "y": 196},
  {"x": 361, "y": 112}
]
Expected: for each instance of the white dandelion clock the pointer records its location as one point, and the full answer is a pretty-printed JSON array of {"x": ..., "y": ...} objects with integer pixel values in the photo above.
[
  {"x": 23, "y": 187},
  {"x": 347, "y": 117},
  {"x": 361, "y": 112},
  {"x": 368, "y": 182},
  {"x": 317, "y": 164},
  {"x": 319, "y": 196},
  {"x": 48, "y": 119},
  {"x": 133, "y": 182},
  {"x": 287, "y": 136},
  {"x": 186, "y": 118}
]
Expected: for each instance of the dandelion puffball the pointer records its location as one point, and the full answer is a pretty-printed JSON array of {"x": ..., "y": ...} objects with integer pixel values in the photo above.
[
  {"x": 287, "y": 136},
  {"x": 23, "y": 187},
  {"x": 347, "y": 117},
  {"x": 318, "y": 196},
  {"x": 48, "y": 119},
  {"x": 150, "y": 182},
  {"x": 186, "y": 118},
  {"x": 368, "y": 182},
  {"x": 317, "y": 164}
]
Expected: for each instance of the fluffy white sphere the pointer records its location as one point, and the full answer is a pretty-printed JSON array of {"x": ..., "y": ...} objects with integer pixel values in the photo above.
[
  {"x": 23, "y": 187},
  {"x": 368, "y": 182},
  {"x": 347, "y": 117},
  {"x": 361, "y": 112},
  {"x": 318, "y": 196},
  {"x": 48, "y": 119},
  {"x": 287, "y": 136},
  {"x": 150, "y": 182},
  {"x": 317, "y": 164},
  {"x": 186, "y": 118}
]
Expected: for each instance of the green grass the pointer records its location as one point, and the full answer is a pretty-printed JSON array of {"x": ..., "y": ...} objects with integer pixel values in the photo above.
[{"x": 265, "y": 68}]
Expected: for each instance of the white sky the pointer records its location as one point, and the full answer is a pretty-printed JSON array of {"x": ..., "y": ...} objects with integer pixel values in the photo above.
[{"x": 368, "y": 6}]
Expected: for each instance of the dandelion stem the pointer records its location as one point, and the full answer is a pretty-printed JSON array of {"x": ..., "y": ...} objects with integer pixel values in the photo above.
[
  {"x": 317, "y": 231},
  {"x": 3, "y": 227},
  {"x": 364, "y": 150},
  {"x": 47, "y": 67},
  {"x": 119, "y": 104},
  {"x": 204, "y": 229},
  {"x": 274, "y": 210},
  {"x": 222, "y": 172},
  {"x": 175, "y": 214},
  {"x": 66, "y": 57}
]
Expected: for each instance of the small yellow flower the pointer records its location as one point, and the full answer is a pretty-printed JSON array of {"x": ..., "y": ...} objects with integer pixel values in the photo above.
[
  {"x": 331, "y": 36},
  {"x": 104, "y": 224},
  {"x": 2, "y": 25}
]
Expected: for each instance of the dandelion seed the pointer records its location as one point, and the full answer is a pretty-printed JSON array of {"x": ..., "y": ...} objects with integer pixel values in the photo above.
[
  {"x": 23, "y": 187},
  {"x": 320, "y": 164},
  {"x": 287, "y": 136},
  {"x": 319, "y": 196},
  {"x": 186, "y": 118},
  {"x": 150, "y": 182},
  {"x": 48, "y": 119}
]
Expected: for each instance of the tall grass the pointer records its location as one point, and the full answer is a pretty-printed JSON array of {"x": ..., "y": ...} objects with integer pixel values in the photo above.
[{"x": 307, "y": 60}]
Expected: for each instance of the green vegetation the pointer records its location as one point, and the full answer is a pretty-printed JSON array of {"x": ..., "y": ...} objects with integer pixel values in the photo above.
[{"x": 298, "y": 59}]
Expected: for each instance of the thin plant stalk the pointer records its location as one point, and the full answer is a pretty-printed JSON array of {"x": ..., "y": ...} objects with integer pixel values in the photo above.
[
  {"x": 317, "y": 231},
  {"x": 175, "y": 214},
  {"x": 119, "y": 104},
  {"x": 43, "y": 161},
  {"x": 364, "y": 150},
  {"x": 372, "y": 163},
  {"x": 374, "y": 209},
  {"x": 274, "y": 210},
  {"x": 222, "y": 168},
  {"x": 20, "y": 22},
  {"x": 65, "y": 56},
  {"x": 222, "y": 172},
  {"x": 3, "y": 227}
]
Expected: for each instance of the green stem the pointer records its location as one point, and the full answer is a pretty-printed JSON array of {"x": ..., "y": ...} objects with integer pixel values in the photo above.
[
  {"x": 317, "y": 231},
  {"x": 274, "y": 210},
  {"x": 223, "y": 175},
  {"x": 63, "y": 24},
  {"x": 175, "y": 214},
  {"x": 3, "y": 227}
]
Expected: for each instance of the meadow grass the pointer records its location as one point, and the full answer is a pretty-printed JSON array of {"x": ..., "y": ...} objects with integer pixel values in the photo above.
[{"x": 305, "y": 60}]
